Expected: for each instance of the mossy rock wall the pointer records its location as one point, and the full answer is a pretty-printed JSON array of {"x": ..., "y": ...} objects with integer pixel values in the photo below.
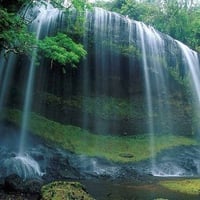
[{"x": 106, "y": 92}]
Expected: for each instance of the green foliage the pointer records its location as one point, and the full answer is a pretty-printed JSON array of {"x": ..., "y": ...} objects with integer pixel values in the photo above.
[
  {"x": 187, "y": 186},
  {"x": 194, "y": 23},
  {"x": 13, "y": 5},
  {"x": 64, "y": 190},
  {"x": 79, "y": 5},
  {"x": 114, "y": 5},
  {"x": 58, "y": 3},
  {"x": 179, "y": 19},
  {"x": 174, "y": 20},
  {"x": 75, "y": 25},
  {"x": 14, "y": 35},
  {"x": 80, "y": 141},
  {"x": 62, "y": 49},
  {"x": 103, "y": 107},
  {"x": 176, "y": 75},
  {"x": 139, "y": 11},
  {"x": 121, "y": 48}
]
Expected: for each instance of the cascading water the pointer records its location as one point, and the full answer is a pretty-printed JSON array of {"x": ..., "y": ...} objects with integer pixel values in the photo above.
[
  {"x": 126, "y": 60},
  {"x": 6, "y": 76},
  {"x": 143, "y": 30},
  {"x": 191, "y": 60},
  {"x": 156, "y": 83},
  {"x": 43, "y": 22},
  {"x": 168, "y": 166},
  {"x": 41, "y": 26},
  {"x": 101, "y": 23},
  {"x": 112, "y": 33}
]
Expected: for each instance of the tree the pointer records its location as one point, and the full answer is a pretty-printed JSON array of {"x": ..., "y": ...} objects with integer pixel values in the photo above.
[
  {"x": 181, "y": 20},
  {"x": 15, "y": 37},
  {"x": 178, "y": 18},
  {"x": 194, "y": 37},
  {"x": 139, "y": 11},
  {"x": 62, "y": 49}
]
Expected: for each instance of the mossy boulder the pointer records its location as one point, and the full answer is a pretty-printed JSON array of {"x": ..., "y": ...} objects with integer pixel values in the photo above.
[{"x": 59, "y": 190}]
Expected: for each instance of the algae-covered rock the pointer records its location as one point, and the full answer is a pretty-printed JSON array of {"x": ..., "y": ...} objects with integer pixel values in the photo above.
[{"x": 60, "y": 190}]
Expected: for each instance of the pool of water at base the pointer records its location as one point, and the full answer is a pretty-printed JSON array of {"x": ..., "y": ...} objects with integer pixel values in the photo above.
[{"x": 120, "y": 190}]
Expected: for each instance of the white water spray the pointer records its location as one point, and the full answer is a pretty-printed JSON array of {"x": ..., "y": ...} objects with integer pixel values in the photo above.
[
  {"x": 43, "y": 22},
  {"x": 191, "y": 60},
  {"x": 25, "y": 166},
  {"x": 40, "y": 26}
]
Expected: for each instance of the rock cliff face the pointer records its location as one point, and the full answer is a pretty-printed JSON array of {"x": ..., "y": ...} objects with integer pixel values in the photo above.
[{"x": 133, "y": 81}]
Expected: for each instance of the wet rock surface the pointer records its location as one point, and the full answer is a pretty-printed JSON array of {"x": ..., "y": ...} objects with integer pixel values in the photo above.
[
  {"x": 58, "y": 164},
  {"x": 13, "y": 183},
  {"x": 182, "y": 161},
  {"x": 13, "y": 187}
]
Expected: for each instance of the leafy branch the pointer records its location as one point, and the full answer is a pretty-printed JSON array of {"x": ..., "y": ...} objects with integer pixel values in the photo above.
[
  {"x": 62, "y": 49},
  {"x": 15, "y": 37}
]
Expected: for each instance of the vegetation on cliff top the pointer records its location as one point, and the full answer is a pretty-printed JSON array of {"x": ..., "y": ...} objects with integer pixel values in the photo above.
[
  {"x": 179, "y": 19},
  {"x": 16, "y": 38}
]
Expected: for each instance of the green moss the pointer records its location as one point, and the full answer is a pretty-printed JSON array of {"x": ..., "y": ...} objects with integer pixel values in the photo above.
[
  {"x": 187, "y": 186},
  {"x": 64, "y": 190},
  {"x": 115, "y": 148},
  {"x": 160, "y": 199},
  {"x": 104, "y": 107},
  {"x": 109, "y": 107}
]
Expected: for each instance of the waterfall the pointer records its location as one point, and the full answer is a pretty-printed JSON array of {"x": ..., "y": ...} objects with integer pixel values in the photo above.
[
  {"x": 143, "y": 31},
  {"x": 191, "y": 61},
  {"x": 41, "y": 26},
  {"x": 6, "y": 73},
  {"x": 156, "y": 83},
  {"x": 127, "y": 64},
  {"x": 112, "y": 33},
  {"x": 104, "y": 33},
  {"x": 43, "y": 22}
]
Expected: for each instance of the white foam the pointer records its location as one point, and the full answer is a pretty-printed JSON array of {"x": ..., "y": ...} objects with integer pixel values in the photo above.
[{"x": 22, "y": 165}]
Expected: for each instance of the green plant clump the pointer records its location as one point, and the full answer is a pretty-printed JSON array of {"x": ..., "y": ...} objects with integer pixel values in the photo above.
[
  {"x": 62, "y": 49},
  {"x": 187, "y": 186},
  {"x": 64, "y": 190},
  {"x": 80, "y": 141}
]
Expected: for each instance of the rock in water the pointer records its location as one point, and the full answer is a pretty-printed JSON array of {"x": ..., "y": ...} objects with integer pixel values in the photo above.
[{"x": 13, "y": 183}]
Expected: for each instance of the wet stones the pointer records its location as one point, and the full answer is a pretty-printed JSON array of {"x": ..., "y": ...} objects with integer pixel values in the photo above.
[{"x": 14, "y": 183}]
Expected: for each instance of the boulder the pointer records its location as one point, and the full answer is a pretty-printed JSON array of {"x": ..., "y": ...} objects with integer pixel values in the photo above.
[
  {"x": 13, "y": 183},
  {"x": 2, "y": 183},
  {"x": 32, "y": 186}
]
